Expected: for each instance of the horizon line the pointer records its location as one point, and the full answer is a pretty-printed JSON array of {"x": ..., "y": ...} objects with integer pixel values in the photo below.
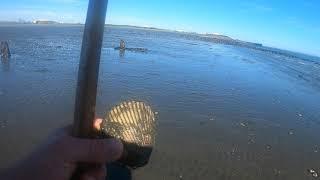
[{"x": 156, "y": 28}]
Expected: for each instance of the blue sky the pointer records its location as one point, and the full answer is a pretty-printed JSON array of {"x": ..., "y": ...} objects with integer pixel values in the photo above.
[{"x": 287, "y": 24}]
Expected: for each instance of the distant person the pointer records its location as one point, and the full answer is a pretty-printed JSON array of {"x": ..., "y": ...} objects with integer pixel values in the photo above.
[
  {"x": 58, "y": 157},
  {"x": 122, "y": 45}
]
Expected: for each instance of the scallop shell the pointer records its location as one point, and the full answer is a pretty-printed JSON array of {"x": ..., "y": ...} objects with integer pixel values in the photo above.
[{"x": 134, "y": 123}]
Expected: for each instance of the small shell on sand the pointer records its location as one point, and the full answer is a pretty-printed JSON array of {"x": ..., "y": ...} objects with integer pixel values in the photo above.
[
  {"x": 313, "y": 173},
  {"x": 290, "y": 132}
]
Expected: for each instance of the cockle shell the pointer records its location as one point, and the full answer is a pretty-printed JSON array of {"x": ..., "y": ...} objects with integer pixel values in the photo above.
[{"x": 134, "y": 123}]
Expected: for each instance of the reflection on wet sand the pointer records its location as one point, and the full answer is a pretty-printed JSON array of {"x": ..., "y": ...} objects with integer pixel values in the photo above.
[
  {"x": 121, "y": 53},
  {"x": 5, "y": 63}
]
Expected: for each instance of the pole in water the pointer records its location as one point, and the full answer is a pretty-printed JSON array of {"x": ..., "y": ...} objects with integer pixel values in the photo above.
[
  {"x": 84, "y": 113},
  {"x": 5, "y": 50}
]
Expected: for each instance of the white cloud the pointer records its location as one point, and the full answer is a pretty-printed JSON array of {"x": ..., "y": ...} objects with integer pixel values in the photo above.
[
  {"x": 36, "y": 14},
  {"x": 69, "y": 11}
]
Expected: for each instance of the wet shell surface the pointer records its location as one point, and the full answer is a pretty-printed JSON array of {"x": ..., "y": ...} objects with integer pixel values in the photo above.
[{"x": 133, "y": 122}]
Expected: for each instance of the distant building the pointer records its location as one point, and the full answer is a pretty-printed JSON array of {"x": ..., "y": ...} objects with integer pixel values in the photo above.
[{"x": 44, "y": 22}]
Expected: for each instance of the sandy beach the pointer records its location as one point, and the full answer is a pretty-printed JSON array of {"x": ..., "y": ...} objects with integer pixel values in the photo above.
[{"x": 223, "y": 112}]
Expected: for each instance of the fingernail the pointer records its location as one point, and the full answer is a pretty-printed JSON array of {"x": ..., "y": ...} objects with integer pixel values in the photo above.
[{"x": 97, "y": 124}]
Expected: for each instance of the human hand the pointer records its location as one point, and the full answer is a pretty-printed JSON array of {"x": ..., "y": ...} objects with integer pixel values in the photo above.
[{"x": 58, "y": 158}]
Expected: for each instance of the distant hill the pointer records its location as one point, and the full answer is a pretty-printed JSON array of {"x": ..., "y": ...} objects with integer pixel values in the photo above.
[{"x": 218, "y": 36}]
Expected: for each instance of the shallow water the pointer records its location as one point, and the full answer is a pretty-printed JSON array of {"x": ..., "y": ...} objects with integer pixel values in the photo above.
[{"x": 224, "y": 112}]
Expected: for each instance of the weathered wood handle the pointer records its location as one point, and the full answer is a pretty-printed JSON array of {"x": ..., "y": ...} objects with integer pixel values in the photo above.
[{"x": 84, "y": 113}]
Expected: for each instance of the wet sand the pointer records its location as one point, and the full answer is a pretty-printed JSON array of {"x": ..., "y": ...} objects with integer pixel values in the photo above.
[{"x": 224, "y": 112}]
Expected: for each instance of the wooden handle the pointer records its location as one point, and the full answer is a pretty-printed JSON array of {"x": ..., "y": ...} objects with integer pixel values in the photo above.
[{"x": 84, "y": 113}]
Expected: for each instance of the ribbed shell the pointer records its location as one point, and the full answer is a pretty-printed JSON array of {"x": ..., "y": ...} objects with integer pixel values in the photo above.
[{"x": 133, "y": 122}]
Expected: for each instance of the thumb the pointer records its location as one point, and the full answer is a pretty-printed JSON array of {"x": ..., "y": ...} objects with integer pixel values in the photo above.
[{"x": 94, "y": 150}]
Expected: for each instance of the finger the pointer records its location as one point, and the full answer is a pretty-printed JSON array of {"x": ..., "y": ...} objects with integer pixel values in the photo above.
[
  {"x": 94, "y": 150},
  {"x": 97, "y": 124}
]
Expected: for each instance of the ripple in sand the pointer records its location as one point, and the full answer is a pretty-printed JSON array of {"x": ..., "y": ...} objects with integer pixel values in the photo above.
[{"x": 3, "y": 123}]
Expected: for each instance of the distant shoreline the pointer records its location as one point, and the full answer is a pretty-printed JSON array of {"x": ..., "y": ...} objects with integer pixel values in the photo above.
[
  {"x": 215, "y": 38},
  {"x": 80, "y": 24}
]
